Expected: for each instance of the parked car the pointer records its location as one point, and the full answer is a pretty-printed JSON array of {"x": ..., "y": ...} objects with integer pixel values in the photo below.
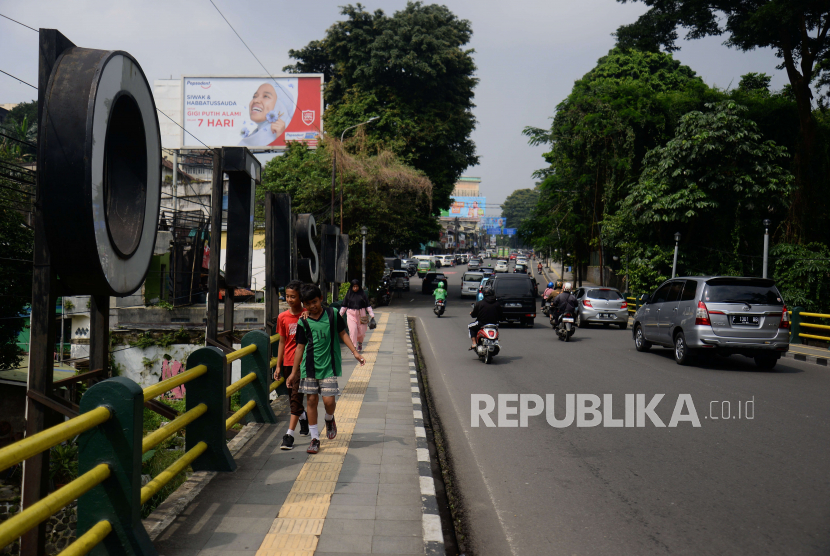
[
  {"x": 601, "y": 306},
  {"x": 400, "y": 280},
  {"x": 474, "y": 264},
  {"x": 501, "y": 266},
  {"x": 716, "y": 314},
  {"x": 470, "y": 282},
  {"x": 431, "y": 281},
  {"x": 517, "y": 298}
]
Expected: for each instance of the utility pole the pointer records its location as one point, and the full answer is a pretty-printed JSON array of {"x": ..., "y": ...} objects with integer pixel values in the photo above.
[
  {"x": 674, "y": 264},
  {"x": 767, "y": 223}
]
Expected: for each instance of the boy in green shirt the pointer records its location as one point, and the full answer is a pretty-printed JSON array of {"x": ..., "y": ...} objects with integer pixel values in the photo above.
[{"x": 317, "y": 361}]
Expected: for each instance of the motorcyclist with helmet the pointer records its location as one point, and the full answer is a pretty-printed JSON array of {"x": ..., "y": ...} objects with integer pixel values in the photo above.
[
  {"x": 486, "y": 311},
  {"x": 565, "y": 302}
]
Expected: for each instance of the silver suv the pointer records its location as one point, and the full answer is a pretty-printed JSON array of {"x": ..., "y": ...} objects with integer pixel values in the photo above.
[{"x": 721, "y": 314}]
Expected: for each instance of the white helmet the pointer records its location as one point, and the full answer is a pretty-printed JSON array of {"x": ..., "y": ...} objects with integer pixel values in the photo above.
[{"x": 567, "y": 287}]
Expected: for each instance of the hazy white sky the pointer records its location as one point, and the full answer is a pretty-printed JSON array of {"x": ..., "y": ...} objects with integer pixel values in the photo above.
[{"x": 528, "y": 53}]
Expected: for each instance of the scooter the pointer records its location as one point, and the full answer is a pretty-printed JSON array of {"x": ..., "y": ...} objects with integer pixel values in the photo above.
[
  {"x": 565, "y": 328},
  {"x": 438, "y": 309},
  {"x": 487, "y": 343},
  {"x": 384, "y": 293},
  {"x": 546, "y": 307}
]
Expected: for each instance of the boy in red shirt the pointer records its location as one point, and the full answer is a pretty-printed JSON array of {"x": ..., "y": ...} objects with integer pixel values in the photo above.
[{"x": 287, "y": 329}]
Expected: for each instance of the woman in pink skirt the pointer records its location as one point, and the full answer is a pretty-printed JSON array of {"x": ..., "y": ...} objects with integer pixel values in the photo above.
[{"x": 356, "y": 306}]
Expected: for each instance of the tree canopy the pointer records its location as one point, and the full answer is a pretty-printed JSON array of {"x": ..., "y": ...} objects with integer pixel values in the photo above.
[
  {"x": 519, "y": 206},
  {"x": 798, "y": 33},
  {"x": 409, "y": 69}
]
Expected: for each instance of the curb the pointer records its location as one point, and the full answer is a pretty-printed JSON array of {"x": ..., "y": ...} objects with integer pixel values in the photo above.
[
  {"x": 431, "y": 520},
  {"x": 814, "y": 359}
]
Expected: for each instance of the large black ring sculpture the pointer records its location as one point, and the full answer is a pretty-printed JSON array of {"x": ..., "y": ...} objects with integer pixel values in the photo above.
[{"x": 100, "y": 182}]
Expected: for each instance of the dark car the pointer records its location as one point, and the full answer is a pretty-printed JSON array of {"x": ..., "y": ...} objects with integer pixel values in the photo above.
[
  {"x": 431, "y": 281},
  {"x": 517, "y": 296}
]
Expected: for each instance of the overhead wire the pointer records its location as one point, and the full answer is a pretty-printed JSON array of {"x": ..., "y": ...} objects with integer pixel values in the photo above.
[
  {"x": 13, "y": 77},
  {"x": 23, "y": 24}
]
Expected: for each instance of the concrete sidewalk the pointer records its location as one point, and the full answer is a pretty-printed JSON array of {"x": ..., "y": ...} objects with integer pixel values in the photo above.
[{"x": 366, "y": 492}]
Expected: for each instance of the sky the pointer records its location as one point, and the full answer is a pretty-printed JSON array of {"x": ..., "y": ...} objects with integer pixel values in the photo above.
[{"x": 528, "y": 54}]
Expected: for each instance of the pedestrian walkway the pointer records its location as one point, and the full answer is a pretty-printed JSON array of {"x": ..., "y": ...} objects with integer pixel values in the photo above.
[{"x": 362, "y": 494}]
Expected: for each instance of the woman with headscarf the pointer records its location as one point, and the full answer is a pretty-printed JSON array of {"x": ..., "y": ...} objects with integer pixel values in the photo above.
[{"x": 358, "y": 311}]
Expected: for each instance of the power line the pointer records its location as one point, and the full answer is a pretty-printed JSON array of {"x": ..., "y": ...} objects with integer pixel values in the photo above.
[
  {"x": 254, "y": 55},
  {"x": 18, "y": 140},
  {"x": 13, "y": 77},
  {"x": 23, "y": 24}
]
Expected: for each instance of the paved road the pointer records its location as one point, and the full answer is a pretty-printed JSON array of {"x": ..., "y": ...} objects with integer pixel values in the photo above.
[{"x": 731, "y": 486}]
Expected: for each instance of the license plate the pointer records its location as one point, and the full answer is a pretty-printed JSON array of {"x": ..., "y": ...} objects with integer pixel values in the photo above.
[
  {"x": 746, "y": 320},
  {"x": 604, "y": 315},
  {"x": 512, "y": 304},
  {"x": 567, "y": 320}
]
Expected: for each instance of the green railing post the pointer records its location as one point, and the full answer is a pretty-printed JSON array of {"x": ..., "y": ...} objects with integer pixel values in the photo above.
[
  {"x": 257, "y": 390},
  {"x": 117, "y": 442},
  {"x": 209, "y": 389},
  {"x": 795, "y": 325}
]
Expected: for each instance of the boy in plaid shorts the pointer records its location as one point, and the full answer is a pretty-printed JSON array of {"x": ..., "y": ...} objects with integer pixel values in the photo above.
[{"x": 317, "y": 361}]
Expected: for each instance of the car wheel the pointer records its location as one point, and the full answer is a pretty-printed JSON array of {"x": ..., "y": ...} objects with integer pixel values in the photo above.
[
  {"x": 765, "y": 362},
  {"x": 580, "y": 323},
  {"x": 624, "y": 326},
  {"x": 640, "y": 342},
  {"x": 681, "y": 350}
]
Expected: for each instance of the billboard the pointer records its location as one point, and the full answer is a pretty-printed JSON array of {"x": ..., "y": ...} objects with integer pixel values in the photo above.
[
  {"x": 493, "y": 222},
  {"x": 253, "y": 112},
  {"x": 466, "y": 207}
]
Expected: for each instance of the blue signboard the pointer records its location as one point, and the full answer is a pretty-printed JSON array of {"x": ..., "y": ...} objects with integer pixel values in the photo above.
[{"x": 509, "y": 231}]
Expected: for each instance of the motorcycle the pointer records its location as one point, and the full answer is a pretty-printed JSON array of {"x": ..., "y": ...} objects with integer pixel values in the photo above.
[
  {"x": 565, "y": 328},
  {"x": 487, "y": 343},
  {"x": 438, "y": 309},
  {"x": 546, "y": 307},
  {"x": 384, "y": 293}
]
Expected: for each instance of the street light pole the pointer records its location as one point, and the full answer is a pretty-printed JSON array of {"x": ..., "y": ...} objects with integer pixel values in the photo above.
[
  {"x": 363, "y": 232},
  {"x": 674, "y": 264},
  {"x": 334, "y": 170},
  {"x": 767, "y": 223}
]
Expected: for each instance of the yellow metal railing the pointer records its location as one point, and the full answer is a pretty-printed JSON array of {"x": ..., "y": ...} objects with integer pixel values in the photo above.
[
  {"x": 40, "y": 511},
  {"x": 240, "y": 384},
  {"x": 157, "y": 390},
  {"x": 817, "y": 326},
  {"x": 44, "y": 440},
  {"x": 240, "y": 353},
  {"x": 158, "y": 482},
  {"x": 242, "y": 412},
  {"x": 276, "y": 384},
  {"x": 88, "y": 540},
  {"x": 275, "y": 338},
  {"x": 157, "y": 437}
]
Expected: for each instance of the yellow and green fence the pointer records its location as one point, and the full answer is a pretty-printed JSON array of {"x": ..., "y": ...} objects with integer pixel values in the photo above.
[
  {"x": 108, "y": 488},
  {"x": 808, "y": 326}
]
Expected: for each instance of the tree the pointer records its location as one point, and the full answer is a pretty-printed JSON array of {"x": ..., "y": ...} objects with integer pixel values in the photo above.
[
  {"x": 16, "y": 241},
  {"x": 714, "y": 182},
  {"x": 624, "y": 107},
  {"x": 519, "y": 206},
  {"x": 796, "y": 30},
  {"x": 412, "y": 71},
  {"x": 380, "y": 193}
]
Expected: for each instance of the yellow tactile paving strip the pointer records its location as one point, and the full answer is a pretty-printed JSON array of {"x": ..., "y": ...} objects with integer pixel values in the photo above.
[{"x": 299, "y": 524}]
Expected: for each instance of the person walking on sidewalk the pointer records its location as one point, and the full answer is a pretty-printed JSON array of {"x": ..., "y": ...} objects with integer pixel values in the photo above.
[
  {"x": 317, "y": 362},
  {"x": 358, "y": 312},
  {"x": 287, "y": 329}
]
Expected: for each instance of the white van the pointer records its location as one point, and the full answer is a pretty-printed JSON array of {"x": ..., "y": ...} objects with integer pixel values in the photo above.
[{"x": 470, "y": 282}]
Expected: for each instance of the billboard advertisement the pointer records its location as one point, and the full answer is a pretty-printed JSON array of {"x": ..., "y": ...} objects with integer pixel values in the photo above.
[
  {"x": 466, "y": 207},
  {"x": 253, "y": 112},
  {"x": 493, "y": 222}
]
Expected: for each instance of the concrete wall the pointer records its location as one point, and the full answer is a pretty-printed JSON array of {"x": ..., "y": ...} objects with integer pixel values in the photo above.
[
  {"x": 247, "y": 316},
  {"x": 145, "y": 366}
]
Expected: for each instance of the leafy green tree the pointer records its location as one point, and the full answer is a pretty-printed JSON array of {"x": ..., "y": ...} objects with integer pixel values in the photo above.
[
  {"x": 714, "y": 182},
  {"x": 798, "y": 33},
  {"x": 16, "y": 241},
  {"x": 625, "y": 106},
  {"x": 379, "y": 192},
  {"x": 412, "y": 71},
  {"x": 519, "y": 206},
  {"x": 802, "y": 274}
]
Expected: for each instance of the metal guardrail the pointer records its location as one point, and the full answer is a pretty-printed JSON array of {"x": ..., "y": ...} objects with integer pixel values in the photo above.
[
  {"x": 110, "y": 445},
  {"x": 797, "y": 322}
]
